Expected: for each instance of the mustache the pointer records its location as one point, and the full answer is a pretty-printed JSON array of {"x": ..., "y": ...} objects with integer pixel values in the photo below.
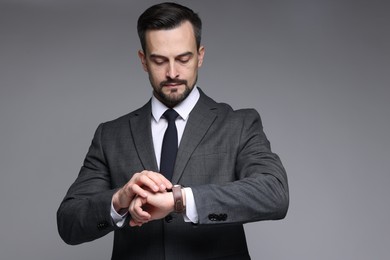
[{"x": 173, "y": 81}]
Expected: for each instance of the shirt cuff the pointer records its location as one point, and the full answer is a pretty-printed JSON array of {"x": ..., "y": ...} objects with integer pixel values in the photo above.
[
  {"x": 118, "y": 219},
  {"x": 191, "y": 214}
]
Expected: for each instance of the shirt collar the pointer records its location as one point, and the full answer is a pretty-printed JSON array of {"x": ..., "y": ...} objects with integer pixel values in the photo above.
[{"x": 184, "y": 108}]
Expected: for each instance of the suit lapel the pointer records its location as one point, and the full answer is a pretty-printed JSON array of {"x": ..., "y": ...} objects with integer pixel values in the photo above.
[
  {"x": 199, "y": 121},
  {"x": 142, "y": 136}
]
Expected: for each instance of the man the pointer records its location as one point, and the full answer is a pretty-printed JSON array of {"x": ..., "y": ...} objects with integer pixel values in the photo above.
[{"x": 224, "y": 166}]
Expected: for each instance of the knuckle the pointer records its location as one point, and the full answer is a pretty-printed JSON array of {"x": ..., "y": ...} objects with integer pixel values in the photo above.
[
  {"x": 134, "y": 188},
  {"x": 135, "y": 176},
  {"x": 142, "y": 178}
]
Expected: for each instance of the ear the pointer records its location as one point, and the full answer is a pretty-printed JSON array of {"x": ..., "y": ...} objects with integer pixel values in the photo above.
[
  {"x": 142, "y": 57},
  {"x": 200, "y": 56}
]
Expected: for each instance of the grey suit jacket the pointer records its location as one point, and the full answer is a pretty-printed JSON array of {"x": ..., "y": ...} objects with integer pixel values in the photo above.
[{"x": 224, "y": 156}]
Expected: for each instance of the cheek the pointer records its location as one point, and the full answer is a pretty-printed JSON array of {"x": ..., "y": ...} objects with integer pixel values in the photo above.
[
  {"x": 189, "y": 71},
  {"x": 193, "y": 73},
  {"x": 155, "y": 81},
  {"x": 155, "y": 74}
]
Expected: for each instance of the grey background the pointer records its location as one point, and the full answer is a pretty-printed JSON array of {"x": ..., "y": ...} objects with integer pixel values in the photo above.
[{"x": 317, "y": 71}]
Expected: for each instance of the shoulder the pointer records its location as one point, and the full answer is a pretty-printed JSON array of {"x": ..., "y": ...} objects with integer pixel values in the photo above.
[
  {"x": 222, "y": 108},
  {"x": 124, "y": 119},
  {"x": 121, "y": 125},
  {"x": 226, "y": 111}
]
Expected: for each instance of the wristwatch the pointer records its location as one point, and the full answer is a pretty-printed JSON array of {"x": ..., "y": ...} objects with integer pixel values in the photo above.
[{"x": 178, "y": 202}]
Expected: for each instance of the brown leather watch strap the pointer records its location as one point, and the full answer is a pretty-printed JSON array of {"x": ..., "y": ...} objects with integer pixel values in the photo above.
[{"x": 178, "y": 199}]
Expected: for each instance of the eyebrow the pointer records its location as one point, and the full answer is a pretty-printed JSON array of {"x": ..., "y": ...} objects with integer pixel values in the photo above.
[{"x": 188, "y": 53}]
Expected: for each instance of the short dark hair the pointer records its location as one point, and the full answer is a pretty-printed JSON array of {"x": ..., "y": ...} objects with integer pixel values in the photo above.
[{"x": 167, "y": 16}]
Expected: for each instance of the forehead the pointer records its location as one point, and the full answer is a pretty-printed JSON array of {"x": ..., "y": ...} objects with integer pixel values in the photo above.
[{"x": 172, "y": 41}]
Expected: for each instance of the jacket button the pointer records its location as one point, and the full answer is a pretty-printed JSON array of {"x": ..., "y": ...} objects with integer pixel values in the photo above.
[
  {"x": 102, "y": 225},
  {"x": 168, "y": 219},
  {"x": 217, "y": 217},
  {"x": 213, "y": 217}
]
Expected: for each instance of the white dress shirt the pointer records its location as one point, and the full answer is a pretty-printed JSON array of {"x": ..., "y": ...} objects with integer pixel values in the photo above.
[{"x": 158, "y": 130}]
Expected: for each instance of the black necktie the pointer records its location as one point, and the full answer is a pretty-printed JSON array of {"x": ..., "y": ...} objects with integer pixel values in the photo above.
[{"x": 169, "y": 145}]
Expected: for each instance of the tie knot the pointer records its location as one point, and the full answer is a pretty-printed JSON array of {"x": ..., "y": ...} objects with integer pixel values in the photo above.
[{"x": 170, "y": 115}]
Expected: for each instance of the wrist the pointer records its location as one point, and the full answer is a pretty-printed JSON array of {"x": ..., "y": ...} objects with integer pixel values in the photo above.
[
  {"x": 183, "y": 194},
  {"x": 116, "y": 205}
]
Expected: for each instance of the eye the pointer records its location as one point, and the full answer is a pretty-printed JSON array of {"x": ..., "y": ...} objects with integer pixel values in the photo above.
[
  {"x": 159, "y": 61},
  {"x": 184, "y": 59}
]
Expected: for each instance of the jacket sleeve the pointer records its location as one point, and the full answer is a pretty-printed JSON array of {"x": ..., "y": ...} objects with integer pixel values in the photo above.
[
  {"x": 260, "y": 189},
  {"x": 84, "y": 214}
]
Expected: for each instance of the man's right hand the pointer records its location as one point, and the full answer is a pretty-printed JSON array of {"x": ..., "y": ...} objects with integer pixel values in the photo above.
[{"x": 138, "y": 185}]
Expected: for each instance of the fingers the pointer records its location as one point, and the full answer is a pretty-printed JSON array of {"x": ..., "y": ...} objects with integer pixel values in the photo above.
[
  {"x": 139, "y": 185},
  {"x": 148, "y": 180},
  {"x": 160, "y": 180},
  {"x": 138, "y": 191},
  {"x": 138, "y": 215},
  {"x": 155, "y": 181},
  {"x": 154, "y": 206}
]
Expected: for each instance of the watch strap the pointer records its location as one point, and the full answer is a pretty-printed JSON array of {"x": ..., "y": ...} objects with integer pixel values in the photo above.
[{"x": 178, "y": 202}]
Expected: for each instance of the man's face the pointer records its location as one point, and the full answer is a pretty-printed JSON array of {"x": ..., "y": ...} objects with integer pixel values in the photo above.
[{"x": 172, "y": 61}]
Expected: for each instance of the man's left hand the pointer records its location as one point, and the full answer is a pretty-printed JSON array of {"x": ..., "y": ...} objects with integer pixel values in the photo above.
[{"x": 154, "y": 206}]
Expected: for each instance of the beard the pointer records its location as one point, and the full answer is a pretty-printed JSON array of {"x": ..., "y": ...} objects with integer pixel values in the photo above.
[{"x": 173, "y": 98}]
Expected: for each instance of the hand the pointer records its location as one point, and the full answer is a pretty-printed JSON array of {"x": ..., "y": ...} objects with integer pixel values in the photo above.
[
  {"x": 139, "y": 185},
  {"x": 154, "y": 206}
]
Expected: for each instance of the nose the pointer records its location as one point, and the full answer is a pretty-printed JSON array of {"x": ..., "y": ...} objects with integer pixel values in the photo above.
[{"x": 172, "y": 71}]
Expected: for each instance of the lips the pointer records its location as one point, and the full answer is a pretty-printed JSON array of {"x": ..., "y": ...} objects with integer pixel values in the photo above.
[{"x": 173, "y": 83}]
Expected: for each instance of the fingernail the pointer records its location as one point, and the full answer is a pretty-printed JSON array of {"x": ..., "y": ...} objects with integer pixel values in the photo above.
[
  {"x": 163, "y": 187},
  {"x": 155, "y": 188}
]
